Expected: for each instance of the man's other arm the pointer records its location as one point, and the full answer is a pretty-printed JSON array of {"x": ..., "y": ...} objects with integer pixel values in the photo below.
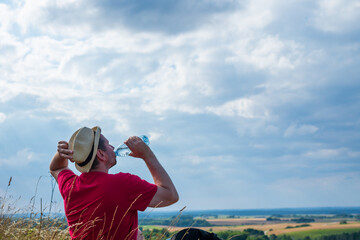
[
  {"x": 166, "y": 193},
  {"x": 60, "y": 159}
]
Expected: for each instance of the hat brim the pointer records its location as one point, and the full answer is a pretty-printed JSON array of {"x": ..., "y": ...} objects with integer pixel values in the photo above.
[{"x": 87, "y": 167}]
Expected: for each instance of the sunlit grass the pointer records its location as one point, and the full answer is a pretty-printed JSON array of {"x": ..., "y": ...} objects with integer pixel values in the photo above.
[{"x": 315, "y": 233}]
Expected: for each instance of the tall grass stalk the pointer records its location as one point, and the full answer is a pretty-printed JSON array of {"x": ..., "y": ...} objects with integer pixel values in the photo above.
[
  {"x": 174, "y": 222},
  {"x": 4, "y": 198},
  {"x": 34, "y": 198},
  {"x": 53, "y": 185}
]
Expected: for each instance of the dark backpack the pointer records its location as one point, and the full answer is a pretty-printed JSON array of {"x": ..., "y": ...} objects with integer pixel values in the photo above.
[{"x": 194, "y": 234}]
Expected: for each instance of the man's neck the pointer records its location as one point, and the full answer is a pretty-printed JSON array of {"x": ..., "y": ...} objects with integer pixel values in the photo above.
[{"x": 100, "y": 169}]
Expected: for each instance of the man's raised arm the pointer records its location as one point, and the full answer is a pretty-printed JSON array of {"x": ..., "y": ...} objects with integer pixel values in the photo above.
[
  {"x": 166, "y": 193},
  {"x": 60, "y": 159}
]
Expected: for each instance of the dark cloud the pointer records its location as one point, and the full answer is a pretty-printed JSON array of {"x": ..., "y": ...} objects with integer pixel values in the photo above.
[{"x": 163, "y": 16}]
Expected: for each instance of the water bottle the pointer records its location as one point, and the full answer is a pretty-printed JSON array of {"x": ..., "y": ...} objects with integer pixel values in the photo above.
[{"x": 122, "y": 150}]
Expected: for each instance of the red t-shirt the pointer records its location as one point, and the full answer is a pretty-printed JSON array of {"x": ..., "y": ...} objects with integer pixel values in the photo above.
[{"x": 104, "y": 206}]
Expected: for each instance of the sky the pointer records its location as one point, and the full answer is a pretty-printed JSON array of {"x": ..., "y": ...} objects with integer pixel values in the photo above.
[{"x": 247, "y": 104}]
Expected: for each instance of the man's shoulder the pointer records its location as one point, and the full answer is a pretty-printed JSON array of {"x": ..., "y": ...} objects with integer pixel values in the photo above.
[
  {"x": 62, "y": 172},
  {"x": 122, "y": 174},
  {"x": 125, "y": 177},
  {"x": 64, "y": 175},
  {"x": 66, "y": 170}
]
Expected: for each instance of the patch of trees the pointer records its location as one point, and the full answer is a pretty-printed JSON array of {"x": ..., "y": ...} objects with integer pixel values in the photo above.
[
  {"x": 155, "y": 234},
  {"x": 247, "y": 234},
  {"x": 292, "y": 217},
  {"x": 273, "y": 219},
  {"x": 182, "y": 221},
  {"x": 299, "y": 226},
  {"x": 297, "y": 220},
  {"x": 188, "y": 220},
  {"x": 303, "y": 220},
  {"x": 344, "y": 215}
]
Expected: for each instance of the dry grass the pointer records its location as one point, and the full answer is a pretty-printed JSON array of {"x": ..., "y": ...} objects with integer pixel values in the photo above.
[
  {"x": 12, "y": 226},
  {"x": 36, "y": 228},
  {"x": 28, "y": 224}
]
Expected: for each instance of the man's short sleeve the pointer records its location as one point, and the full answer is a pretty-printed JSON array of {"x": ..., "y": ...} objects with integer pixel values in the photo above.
[
  {"x": 65, "y": 181},
  {"x": 140, "y": 192}
]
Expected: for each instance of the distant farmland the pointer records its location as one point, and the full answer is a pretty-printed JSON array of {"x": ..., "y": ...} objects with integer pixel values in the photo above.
[
  {"x": 315, "y": 233},
  {"x": 278, "y": 228}
]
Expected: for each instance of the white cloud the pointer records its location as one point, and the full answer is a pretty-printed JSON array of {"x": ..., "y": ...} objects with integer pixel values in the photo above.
[
  {"x": 243, "y": 35},
  {"x": 153, "y": 136},
  {"x": 72, "y": 63},
  {"x": 21, "y": 158},
  {"x": 30, "y": 13},
  {"x": 6, "y": 16},
  {"x": 338, "y": 16},
  {"x": 255, "y": 16},
  {"x": 299, "y": 130},
  {"x": 267, "y": 52},
  {"x": 210, "y": 164},
  {"x": 324, "y": 153},
  {"x": 2, "y": 117},
  {"x": 242, "y": 107},
  {"x": 332, "y": 153}
]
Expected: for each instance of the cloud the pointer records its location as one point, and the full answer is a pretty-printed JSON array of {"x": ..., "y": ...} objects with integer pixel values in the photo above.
[
  {"x": 245, "y": 108},
  {"x": 86, "y": 16},
  {"x": 139, "y": 58},
  {"x": 268, "y": 52},
  {"x": 2, "y": 117},
  {"x": 165, "y": 16},
  {"x": 210, "y": 163},
  {"x": 333, "y": 153},
  {"x": 153, "y": 136},
  {"x": 5, "y": 16},
  {"x": 295, "y": 130},
  {"x": 336, "y": 16},
  {"x": 22, "y": 158}
]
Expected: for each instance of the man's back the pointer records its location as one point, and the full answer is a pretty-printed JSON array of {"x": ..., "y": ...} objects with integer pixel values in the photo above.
[{"x": 104, "y": 206}]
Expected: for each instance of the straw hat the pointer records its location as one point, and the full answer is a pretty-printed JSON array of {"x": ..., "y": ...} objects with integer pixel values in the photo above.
[{"x": 84, "y": 143}]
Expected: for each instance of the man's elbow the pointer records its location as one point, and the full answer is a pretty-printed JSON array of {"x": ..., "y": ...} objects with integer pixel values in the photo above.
[
  {"x": 164, "y": 197},
  {"x": 170, "y": 200},
  {"x": 52, "y": 170},
  {"x": 174, "y": 198},
  {"x": 53, "y": 173}
]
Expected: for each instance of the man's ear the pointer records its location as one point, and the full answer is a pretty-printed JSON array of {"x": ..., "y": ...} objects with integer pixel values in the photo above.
[{"x": 100, "y": 155}]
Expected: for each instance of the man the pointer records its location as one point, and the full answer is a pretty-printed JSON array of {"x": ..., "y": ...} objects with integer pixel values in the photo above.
[{"x": 99, "y": 205}]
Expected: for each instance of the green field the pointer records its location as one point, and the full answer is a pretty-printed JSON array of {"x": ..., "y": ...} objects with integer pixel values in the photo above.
[
  {"x": 150, "y": 227},
  {"x": 321, "y": 232}
]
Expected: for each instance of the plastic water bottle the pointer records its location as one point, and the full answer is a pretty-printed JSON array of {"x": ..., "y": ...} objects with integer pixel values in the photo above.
[{"x": 122, "y": 150}]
